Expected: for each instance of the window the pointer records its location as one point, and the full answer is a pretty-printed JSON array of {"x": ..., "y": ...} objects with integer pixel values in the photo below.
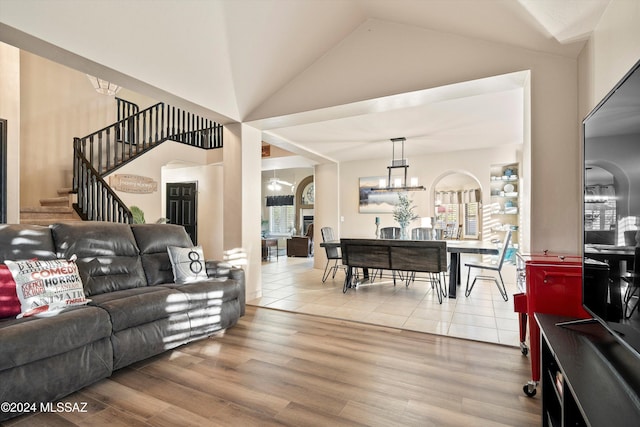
[
  {"x": 281, "y": 219},
  {"x": 471, "y": 219}
]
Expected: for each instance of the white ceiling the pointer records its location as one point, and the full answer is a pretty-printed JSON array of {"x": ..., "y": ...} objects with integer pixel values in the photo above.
[{"x": 229, "y": 58}]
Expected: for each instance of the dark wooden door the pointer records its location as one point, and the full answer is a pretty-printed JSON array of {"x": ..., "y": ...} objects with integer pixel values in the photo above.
[
  {"x": 182, "y": 200},
  {"x": 3, "y": 171}
]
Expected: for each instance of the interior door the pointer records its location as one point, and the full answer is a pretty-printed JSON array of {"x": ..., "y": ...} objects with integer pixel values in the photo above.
[
  {"x": 181, "y": 209},
  {"x": 3, "y": 171}
]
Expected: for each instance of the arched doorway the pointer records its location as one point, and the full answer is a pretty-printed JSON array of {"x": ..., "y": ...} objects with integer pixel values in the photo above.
[{"x": 457, "y": 206}]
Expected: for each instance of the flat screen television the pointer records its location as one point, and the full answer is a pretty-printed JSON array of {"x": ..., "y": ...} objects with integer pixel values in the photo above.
[{"x": 611, "y": 220}]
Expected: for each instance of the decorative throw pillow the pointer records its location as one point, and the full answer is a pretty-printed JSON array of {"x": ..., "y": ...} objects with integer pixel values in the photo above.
[
  {"x": 46, "y": 286},
  {"x": 188, "y": 264},
  {"x": 9, "y": 302}
]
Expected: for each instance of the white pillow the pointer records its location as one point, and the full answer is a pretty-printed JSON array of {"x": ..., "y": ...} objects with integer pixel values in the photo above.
[
  {"x": 46, "y": 286},
  {"x": 188, "y": 264}
]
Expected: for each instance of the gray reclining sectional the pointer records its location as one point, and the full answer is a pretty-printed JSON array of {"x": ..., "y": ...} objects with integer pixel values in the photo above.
[{"x": 136, "y": 309}]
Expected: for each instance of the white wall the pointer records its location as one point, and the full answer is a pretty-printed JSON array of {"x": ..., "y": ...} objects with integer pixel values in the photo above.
[{"x": 10, "y": 111}]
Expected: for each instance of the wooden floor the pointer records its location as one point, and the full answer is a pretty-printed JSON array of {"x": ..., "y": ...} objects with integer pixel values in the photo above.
[{"x": 280, "y": 368}]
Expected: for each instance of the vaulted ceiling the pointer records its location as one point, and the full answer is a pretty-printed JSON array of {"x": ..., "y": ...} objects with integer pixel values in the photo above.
[{"x": 234, "y": 59}]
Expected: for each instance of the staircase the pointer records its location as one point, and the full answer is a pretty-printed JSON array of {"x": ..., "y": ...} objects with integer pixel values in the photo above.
[
  {"x": 52, "y": 210},
  {"x": 108, "y": 149},
  {"x": 97, "y": 155}
]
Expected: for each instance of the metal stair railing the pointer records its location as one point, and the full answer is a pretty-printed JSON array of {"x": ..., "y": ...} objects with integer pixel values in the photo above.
[
  {"x": 116, "y": 145},
  {"x": 96, "y": 199}
]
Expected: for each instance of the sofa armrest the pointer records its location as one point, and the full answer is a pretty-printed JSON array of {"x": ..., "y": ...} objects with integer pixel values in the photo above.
[
  {"x": 221, "y": 270},
  {"x": 218, "y": 269}
]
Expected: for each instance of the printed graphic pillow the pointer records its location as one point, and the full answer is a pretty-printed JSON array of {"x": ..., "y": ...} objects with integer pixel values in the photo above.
[
  {"x": 46, "y": 286},
  {"x": 9, "y": 302},
  {"x": 188, "y": 264}
]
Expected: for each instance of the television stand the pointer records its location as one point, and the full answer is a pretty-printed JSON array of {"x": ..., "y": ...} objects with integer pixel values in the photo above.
[{"x": 588, "y": 377}]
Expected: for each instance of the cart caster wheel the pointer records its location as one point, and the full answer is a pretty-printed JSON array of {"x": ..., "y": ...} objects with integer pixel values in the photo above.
[
  {"x": 529, "y": 390},
  {"x": 524, "y": 349}
]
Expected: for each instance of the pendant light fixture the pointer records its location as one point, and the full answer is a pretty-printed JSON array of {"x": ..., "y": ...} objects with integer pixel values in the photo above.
[{"x": 398, "y": 183}]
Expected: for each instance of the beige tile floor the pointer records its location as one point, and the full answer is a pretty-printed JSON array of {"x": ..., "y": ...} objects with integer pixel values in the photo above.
[{"x": 292, "y": 284}]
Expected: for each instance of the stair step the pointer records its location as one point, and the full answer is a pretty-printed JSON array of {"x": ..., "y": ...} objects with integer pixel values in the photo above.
[
  {"x": 46, "y": 215},
  {"x": 64, "y": 191},
  {"x": 56, "y": 201}
]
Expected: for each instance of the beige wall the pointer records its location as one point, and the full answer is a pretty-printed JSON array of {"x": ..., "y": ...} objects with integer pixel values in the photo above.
[
  {"x": 358, "y": 69},
  {"x": 57, "y": 104},
  {"x": 611, "y": 51},
  {"x": 150, "y": 165},
  {"x": 10, "y": 111},
  {"x": 209, "y": 179},
  {"x": 428, "y": 170},
  {"x": 242, "y": 193}
]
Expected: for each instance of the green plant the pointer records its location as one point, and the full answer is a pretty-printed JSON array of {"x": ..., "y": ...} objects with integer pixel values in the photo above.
[
  {"x": 403, "y": 211},
  {"x": 138, "y": 215}
]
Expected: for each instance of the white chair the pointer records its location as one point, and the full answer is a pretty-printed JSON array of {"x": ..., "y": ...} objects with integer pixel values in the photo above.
[{"x": 492, "y": 267}]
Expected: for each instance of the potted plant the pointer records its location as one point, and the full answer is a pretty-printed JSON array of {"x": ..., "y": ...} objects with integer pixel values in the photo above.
[{"x": 403, "y": 214}]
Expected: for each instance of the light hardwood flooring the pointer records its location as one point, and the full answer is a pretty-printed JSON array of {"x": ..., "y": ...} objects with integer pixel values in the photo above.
[
  {"x": 282, "y": 368},
  {"x": 293, "y": 284}
]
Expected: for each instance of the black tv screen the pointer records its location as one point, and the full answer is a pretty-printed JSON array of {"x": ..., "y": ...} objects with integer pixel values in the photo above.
[{"x": 611, "y": 225}]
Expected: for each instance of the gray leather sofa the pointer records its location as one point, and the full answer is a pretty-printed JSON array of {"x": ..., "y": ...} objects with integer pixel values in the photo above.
[{"x": 136, "y": 309}]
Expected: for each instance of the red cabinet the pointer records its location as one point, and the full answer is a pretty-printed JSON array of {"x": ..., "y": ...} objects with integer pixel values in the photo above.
[{"x": 550, "y": 284}]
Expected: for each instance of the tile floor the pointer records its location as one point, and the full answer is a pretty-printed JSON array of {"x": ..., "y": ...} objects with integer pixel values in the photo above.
[{"x": 292, "y": 284}]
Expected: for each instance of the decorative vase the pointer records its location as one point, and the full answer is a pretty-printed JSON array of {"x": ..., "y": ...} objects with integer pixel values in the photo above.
[{"x": 404, "y": 232}]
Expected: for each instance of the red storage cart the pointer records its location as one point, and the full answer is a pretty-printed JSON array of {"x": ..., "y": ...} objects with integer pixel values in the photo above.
[{"x": 550, "y": 284}]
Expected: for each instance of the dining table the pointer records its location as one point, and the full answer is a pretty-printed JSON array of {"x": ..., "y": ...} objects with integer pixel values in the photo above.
[
  {"x": 455, "y": 248},
  {"x": 458, "y": 247},
  {"x": 613, "y": 256}
]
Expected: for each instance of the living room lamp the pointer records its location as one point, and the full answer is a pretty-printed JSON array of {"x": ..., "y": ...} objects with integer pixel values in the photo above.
[{"x": 398, "y": 183}]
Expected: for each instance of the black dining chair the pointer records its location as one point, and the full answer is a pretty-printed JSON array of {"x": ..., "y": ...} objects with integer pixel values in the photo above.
[
  {"x": 390, "y": 233},
  {"x": 492, "y": 267},
  {"x": 333, "y": 254}
]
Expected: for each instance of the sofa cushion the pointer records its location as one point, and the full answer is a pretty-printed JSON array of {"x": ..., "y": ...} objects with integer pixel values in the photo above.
[
  {"x": 108, "y": 257},
  {"x": 133, "y": 307},
  {"x": 46, "y": 285},
  {"x": 9, "y": 302},
  {"x": 153, "y": 240},
  {"x": 34, "y": 338},
  {"x": 21, "y": 241},
  {"x": 88, "y": 239},
  {"x": 187, "y": 264},
  {"x": 109, "y": 274}
]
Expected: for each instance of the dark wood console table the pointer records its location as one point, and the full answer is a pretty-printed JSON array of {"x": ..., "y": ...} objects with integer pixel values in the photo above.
[{"x": 588, "y": 378}]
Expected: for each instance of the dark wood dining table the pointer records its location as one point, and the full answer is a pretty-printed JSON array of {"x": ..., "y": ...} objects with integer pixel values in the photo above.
[{"x": 455, "y": 248}]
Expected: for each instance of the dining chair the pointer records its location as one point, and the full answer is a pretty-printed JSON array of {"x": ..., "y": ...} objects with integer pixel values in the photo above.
[
  {"x": 390, "y": 233},
  {"x": 333, "y": 254},
  {"x": 422, "y": 233},
  {"x": 632, "y": 293},
  {"x": 492, "y": 267}
]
